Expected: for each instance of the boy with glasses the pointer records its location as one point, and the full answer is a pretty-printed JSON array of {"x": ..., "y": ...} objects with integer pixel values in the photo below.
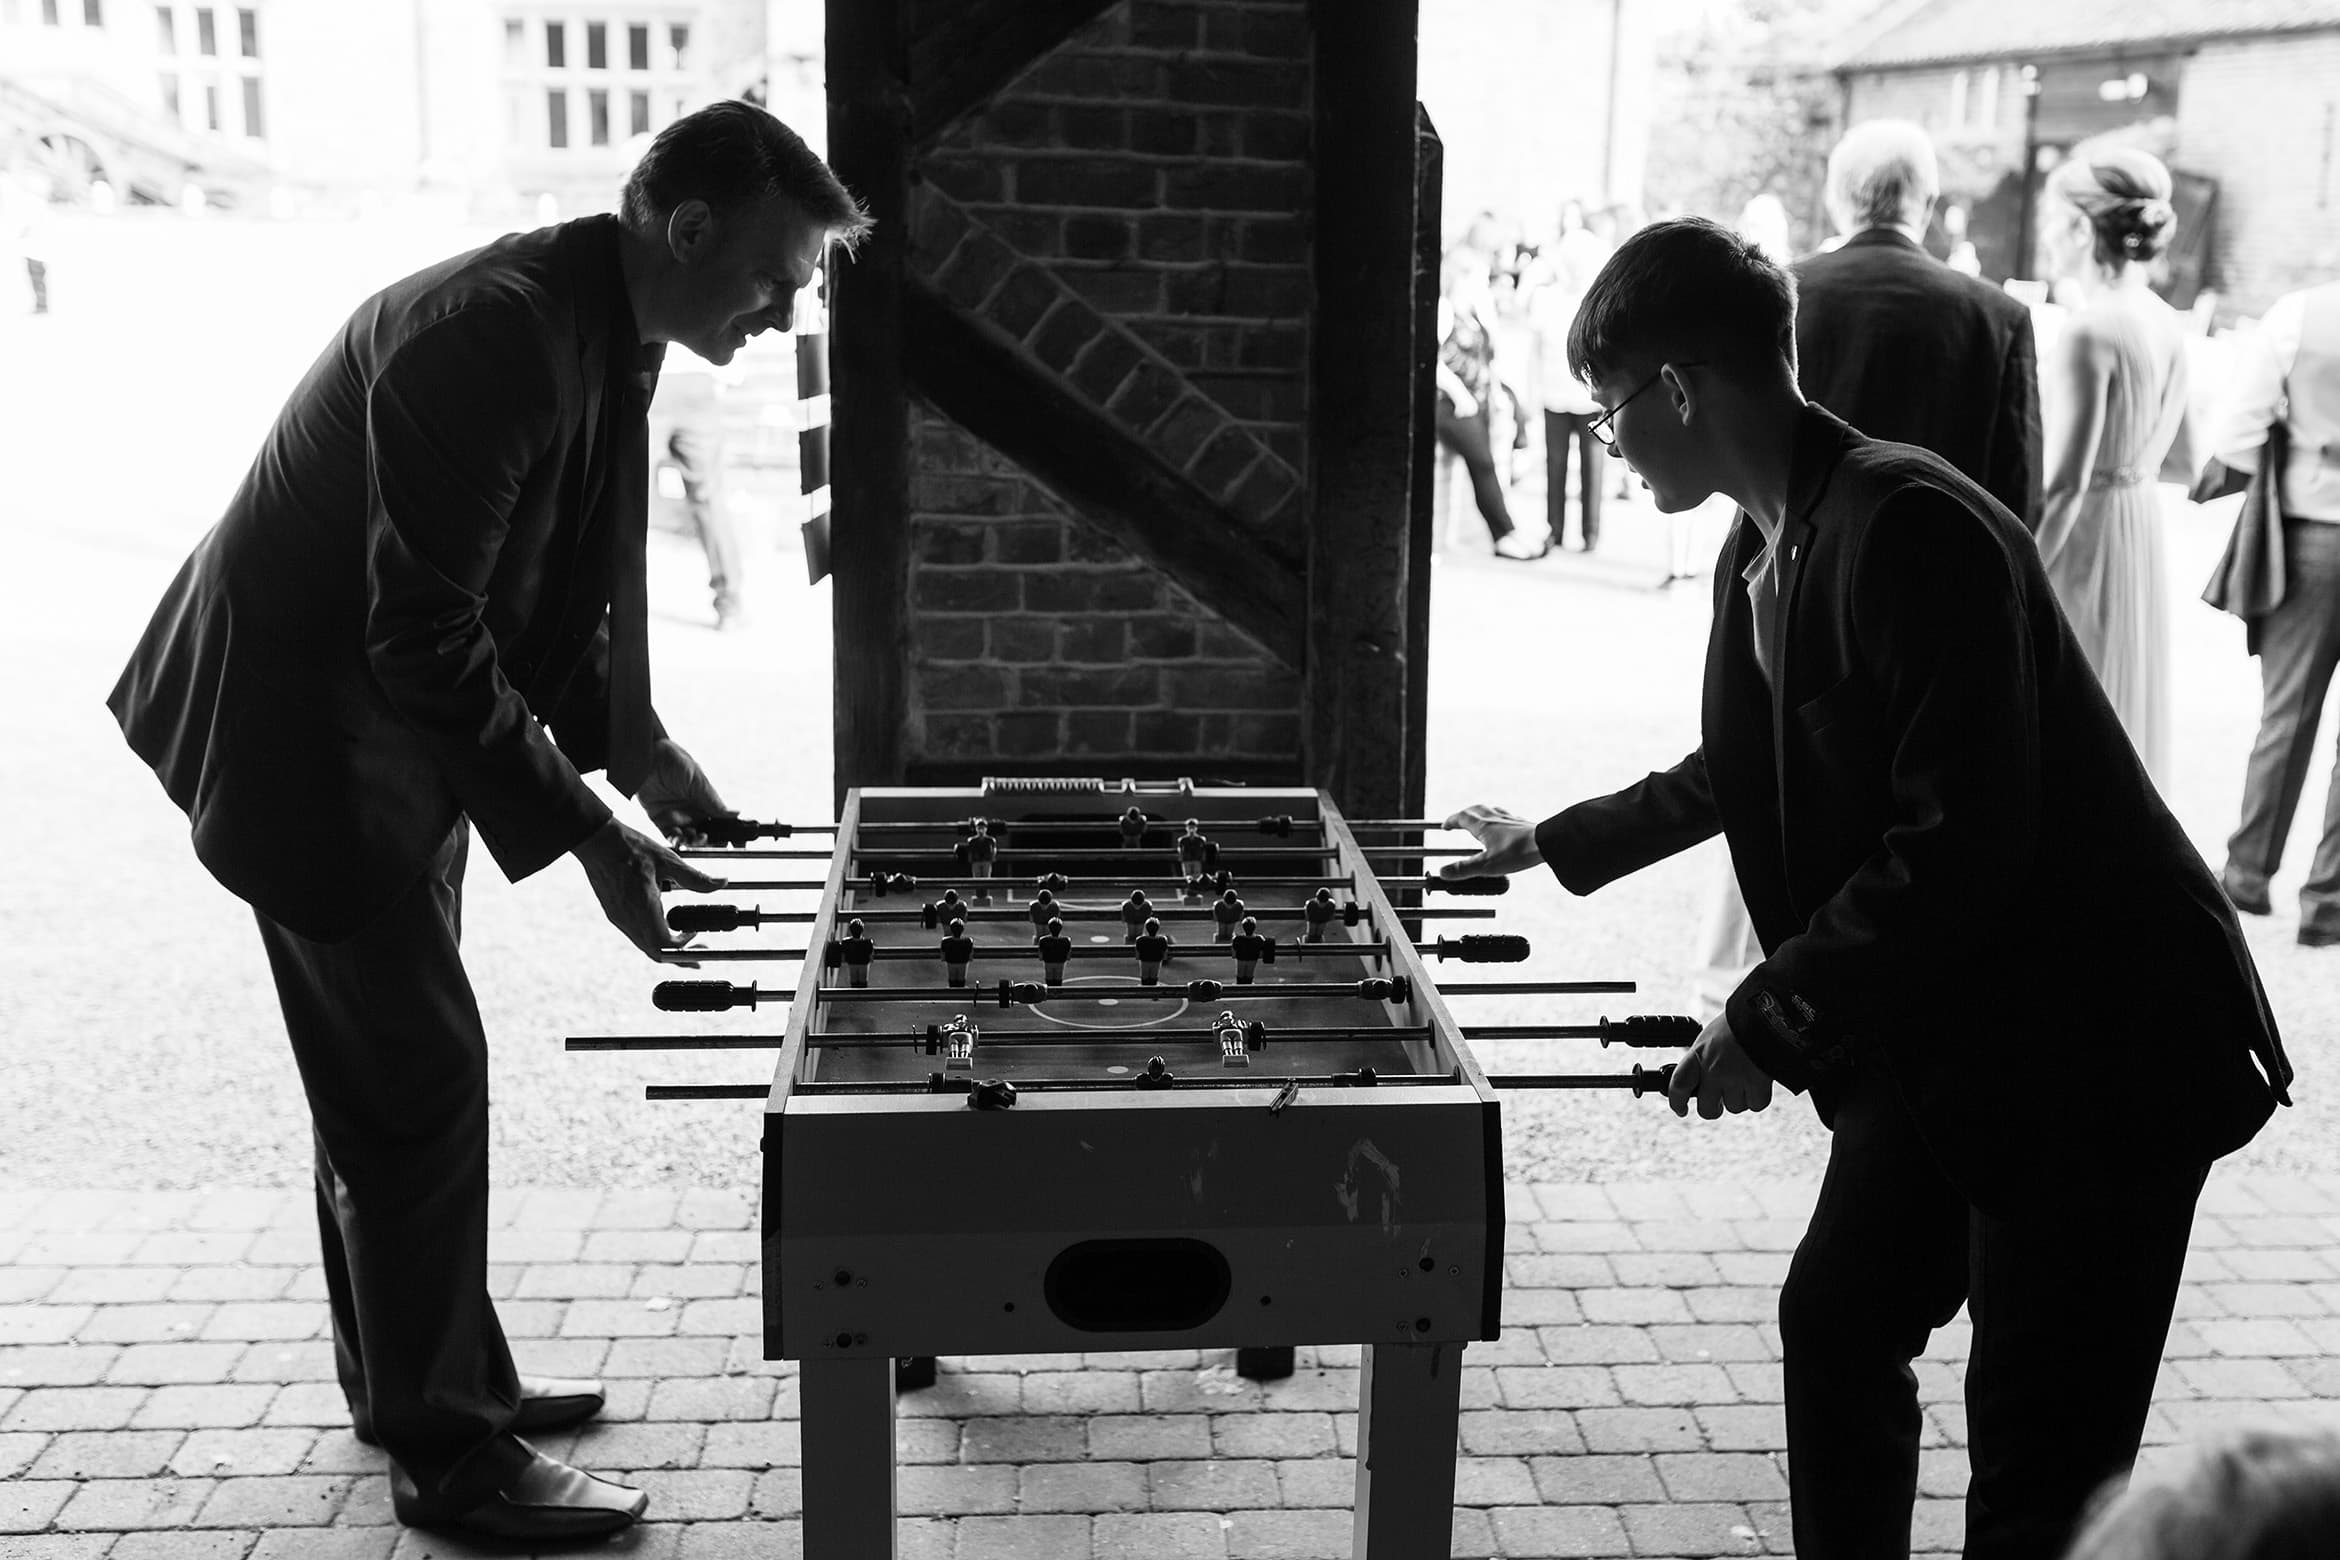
[{"x": 1992, "y": 957}]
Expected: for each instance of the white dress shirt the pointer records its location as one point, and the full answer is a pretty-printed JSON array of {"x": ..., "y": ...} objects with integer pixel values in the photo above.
[{"x": 2294, "y": 361}]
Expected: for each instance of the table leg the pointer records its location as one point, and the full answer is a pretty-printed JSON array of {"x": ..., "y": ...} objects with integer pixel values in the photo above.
[
  {"x": 848, "y": 1428},
  {"x": 1409, "y": 1406}
]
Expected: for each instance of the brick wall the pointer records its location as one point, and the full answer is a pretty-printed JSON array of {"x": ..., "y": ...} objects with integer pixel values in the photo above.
[
  {"x": 2262, "y": 117},
  {"x": 1132, "y": 211}
]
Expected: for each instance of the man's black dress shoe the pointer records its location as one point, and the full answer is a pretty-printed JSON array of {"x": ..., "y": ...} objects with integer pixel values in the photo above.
[
  {"x": 547, "y": 1502},
  {"x": 2248, "y": 901},
  {"x": 546, "y": 1403},
  {"x": 2319, "y": 936}
]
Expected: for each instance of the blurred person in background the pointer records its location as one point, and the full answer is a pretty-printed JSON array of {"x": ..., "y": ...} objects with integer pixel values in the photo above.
[
  {"x": 2289, "y": 381},
  {"x": 24, "y": 209},
  {"x": 2114, "y": 387},
  {"x": 1466, "y": 388},
  {"x": 1557, "y": 284},
  {"x": 1763, "y": 221},
  {"x": 687, "y": 418},
  {"x": 2258, "y": 1494}
]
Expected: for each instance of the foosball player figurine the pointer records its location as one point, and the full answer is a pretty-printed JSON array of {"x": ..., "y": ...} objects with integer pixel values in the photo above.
[
  {"x": 1136, "y": 910},
  {"x": 958, "y": 951},
  {"x": 1044, "y": 909},
  {"x": 979, "y": 850},
  {"x": 1194, "y": 852},
  {"x": 1133, "y": 828},
  {"x": 1227, "y": 910},
  {"x": 1320, "y": 911},
  {"x": 854, "y": 951},
  {"x": 1250, "y": 947},
  {"x": 1152, "y": 948},
  {"x": 1054, "y": 948},
  {"x": 949, "y": 908}
]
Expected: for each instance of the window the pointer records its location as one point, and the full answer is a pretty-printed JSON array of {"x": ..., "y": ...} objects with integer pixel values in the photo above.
[
  {"x": 252, "y": 122},
  {"x": 1986, "y": 100},
  {"x": 556, "y": 117},
  {"x": 170, "y": 94},
  {"x": 1958, "y": 100},
  {"x": 248, "y": 33},
  {"x": 637, "y": 47},
  {"x": 93, "y": 13},
  {"x": 206, "y": 31},
  {"x": 211, "y": 104},
  {"x": 597, "y": 115},
  {"x": 679, "y": 37},
  {"x": 515, "y": 42},
  {"x": 556, "y": 45},
  {"x": 166, "y": 31},
  {"x": 49, "y": 12},
  {"x": 597, "y": 46},
  {"x": 641, "y": 113}
]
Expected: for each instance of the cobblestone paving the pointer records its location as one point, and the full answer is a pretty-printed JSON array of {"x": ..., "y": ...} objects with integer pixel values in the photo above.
[{"x": 166, "y": 1387}]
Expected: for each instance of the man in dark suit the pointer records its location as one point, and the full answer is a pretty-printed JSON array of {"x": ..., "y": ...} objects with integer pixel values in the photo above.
[
  {"x": 1903, "y": 347},
  {"x": 2010, "y": 984},
  {"x": 438, "y": 552}
]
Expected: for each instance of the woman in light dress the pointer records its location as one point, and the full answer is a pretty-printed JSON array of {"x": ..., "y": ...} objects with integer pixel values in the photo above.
[{"x": 2114, "y": 387}]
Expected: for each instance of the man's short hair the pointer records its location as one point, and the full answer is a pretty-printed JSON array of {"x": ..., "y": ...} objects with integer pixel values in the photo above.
[
  {"x": 731, "y": 155},
  {"x": 1882, "y": 174},
  {"x": 1686, "y": 291}
]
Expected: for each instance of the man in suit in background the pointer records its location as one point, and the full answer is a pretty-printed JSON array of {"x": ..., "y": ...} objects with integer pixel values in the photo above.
[
  {"x": 1917, "y": 771},
  {"x": 438, "y": 553},
  {"x": 1905, "y": 348}
]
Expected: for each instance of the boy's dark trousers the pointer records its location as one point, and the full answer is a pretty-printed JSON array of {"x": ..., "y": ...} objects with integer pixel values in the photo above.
[
  {"x": 2071, "y": 1307},
  {"x": 1560, "y": 430}
]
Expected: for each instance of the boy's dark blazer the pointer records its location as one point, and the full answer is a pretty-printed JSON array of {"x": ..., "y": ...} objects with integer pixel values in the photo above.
[
  {"x": 413, "y": 574},
  {"x": 1907, "y": 350},
  {"x": 1954, "y": 861}
]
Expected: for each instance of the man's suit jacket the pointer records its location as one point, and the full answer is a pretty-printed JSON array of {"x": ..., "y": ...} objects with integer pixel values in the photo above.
[
  {"x": 1908, "y": 350},
  {"x": 414, "y": 573},
  {"x": 1954, "y": 861}
]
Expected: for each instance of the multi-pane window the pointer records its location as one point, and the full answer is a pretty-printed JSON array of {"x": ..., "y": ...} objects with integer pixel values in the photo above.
[
  {"x": 204, "y": 86},
  {"x": 49, "y": 17},
  {"x": 93, "y": 13},
  {"x": 568, "y": 62}
]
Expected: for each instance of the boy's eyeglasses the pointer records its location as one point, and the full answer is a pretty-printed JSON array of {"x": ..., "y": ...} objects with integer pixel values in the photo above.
[{"x": 1600, "y": 424}]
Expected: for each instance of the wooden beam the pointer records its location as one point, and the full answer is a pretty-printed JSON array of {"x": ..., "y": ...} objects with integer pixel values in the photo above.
[
  {"x": 981, "y": 48},
  {"x": 982, "y": 381},
  {"x": 1362, "y": 420},
  {"x": 869, "y": 521},
  {"x": 1429, "y": 203}
]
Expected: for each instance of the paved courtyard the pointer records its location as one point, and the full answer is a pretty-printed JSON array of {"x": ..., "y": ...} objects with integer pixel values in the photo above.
[
  {"x": 165, "y": 1393},
  {"x": 164, "y": 1388}
]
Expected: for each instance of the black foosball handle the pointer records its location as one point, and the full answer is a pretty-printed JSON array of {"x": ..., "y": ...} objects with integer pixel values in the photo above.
[
  {"x": 732, "y": 829},
  {"x": 691, "y": 919},
  {"x": 1470, "y": 885},
  {"x": 1652, "y": 1031},
  {"x": 700, "y": 996},
  {"x": 1484, "y": 948}
]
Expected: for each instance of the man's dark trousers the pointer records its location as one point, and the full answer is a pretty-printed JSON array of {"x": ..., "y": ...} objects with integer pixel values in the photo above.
[
  {"x": 1560, "y": 430},
  {"x": 2299, "y": 649},
  {"x": 2071, "y": 1310},
  {"x": 394, "y": 1060}
]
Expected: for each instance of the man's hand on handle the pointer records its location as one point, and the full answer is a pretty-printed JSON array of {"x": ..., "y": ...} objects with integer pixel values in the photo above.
[
  {"x": 678, "y": 796},
  {"x": 1507, "y": 843},
  {"x": 627, "y": 871},
  {"x": 1718, "y": 1073}
]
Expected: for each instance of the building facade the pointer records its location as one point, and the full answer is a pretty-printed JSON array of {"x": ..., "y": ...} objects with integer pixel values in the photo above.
[
  {"x": 495, "y": 103},
  {"x": 2240, "y": 97}
]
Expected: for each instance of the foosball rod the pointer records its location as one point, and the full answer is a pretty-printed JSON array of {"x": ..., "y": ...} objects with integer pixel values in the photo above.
[
  {"x": 738, "y": 831},
  {"x": 903, "y": 855},
  {"x": 1497, "y": 949},
  {"x": 1653, "y": 1031},
  {"x": 1641, "y": 1080},
  {"x": 902, "y": 883},
  {"x": 715, "y": 996},
  {"x": 687, "y": 918}
]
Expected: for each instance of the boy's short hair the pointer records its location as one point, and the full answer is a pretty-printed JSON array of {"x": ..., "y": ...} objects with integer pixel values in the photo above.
[
  {"x": 731, "y": 155},
  {"x": 1684, "y": 291}
]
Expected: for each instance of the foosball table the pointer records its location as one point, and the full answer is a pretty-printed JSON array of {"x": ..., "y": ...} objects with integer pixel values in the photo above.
[{"x": 1087, "y": 1066}]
